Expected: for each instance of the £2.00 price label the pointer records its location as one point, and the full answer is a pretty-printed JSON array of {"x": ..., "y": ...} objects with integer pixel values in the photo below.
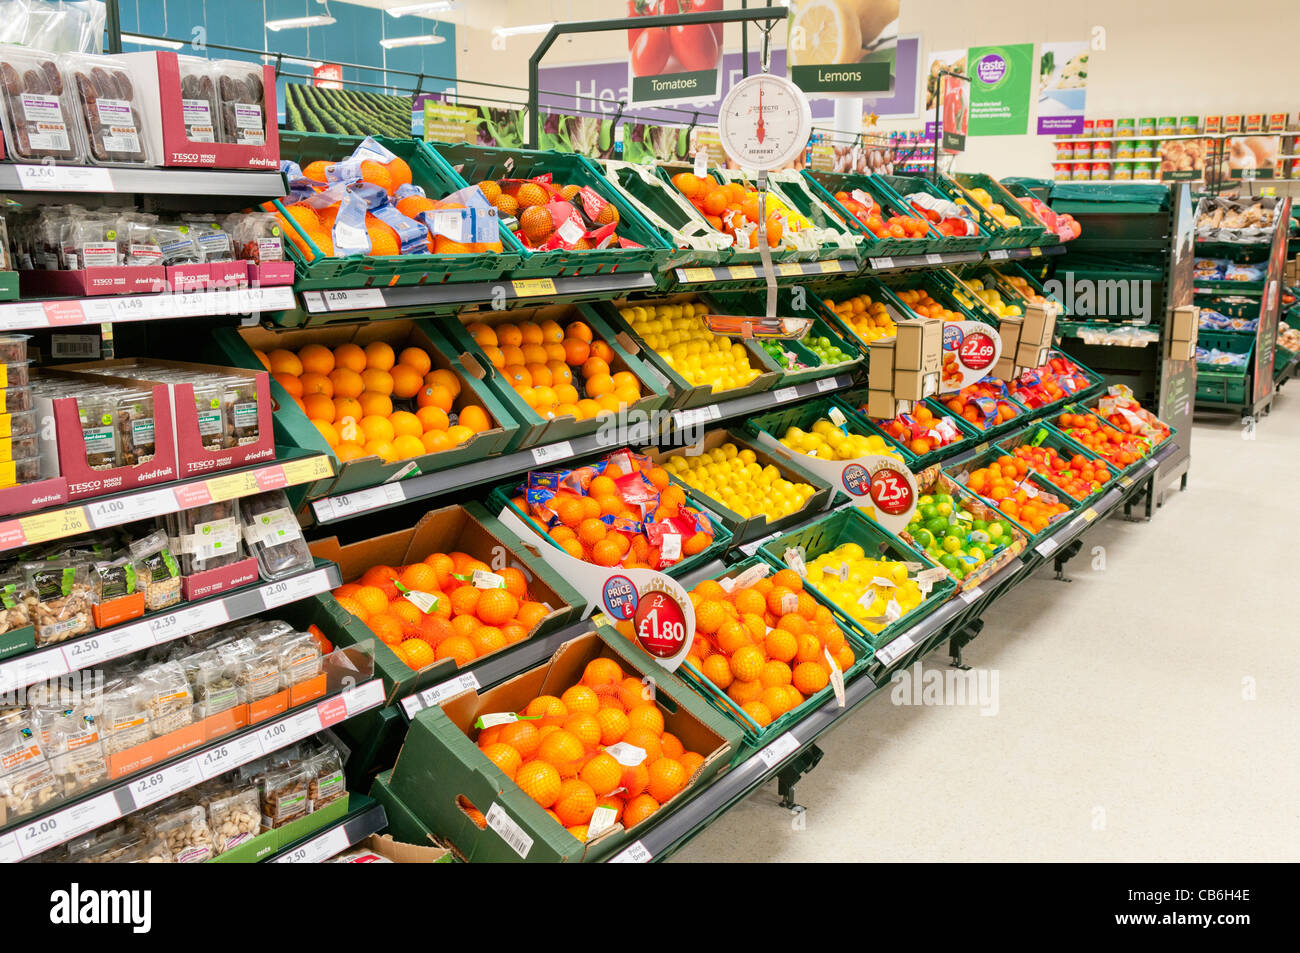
[{"x": 354, "y": 299}]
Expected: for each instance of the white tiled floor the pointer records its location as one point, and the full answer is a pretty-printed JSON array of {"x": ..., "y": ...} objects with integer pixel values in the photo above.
[{"x": 1146, "y": 711}]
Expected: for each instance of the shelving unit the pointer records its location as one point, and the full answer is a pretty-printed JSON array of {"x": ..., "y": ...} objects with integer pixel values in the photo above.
[{"x": 366, "y": 818}]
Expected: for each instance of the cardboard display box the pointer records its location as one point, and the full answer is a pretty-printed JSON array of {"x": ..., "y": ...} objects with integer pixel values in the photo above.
[
  {"x": 467, "y": 529},
  {"x": 1038, "y": 324},
  {"x": 1031, "y": 355},
  {"x": 1009, "y": 329},
  {"x": 880, "y": 370},
  {"x": 404, "y": 827},
  {"x": 880, "y": 405},
  {"x": 402, "y": 853},
  {"x": 915, "y": 385},
  {"x": 1185, "y": 323},
  {"x": 919, "y": 345},
  {"x": 440, "y": 768}
]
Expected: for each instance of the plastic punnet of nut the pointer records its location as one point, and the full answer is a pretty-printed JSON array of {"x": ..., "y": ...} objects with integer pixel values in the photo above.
[
  {"x": 159, "y": 571},
  {"x": 187, "y": 834},
  {"x": 284, "y": 795},
  {"x": 72, "y": 742},
  {"x": 235, "y": 819},
  {"x": 27, "y": 781}
]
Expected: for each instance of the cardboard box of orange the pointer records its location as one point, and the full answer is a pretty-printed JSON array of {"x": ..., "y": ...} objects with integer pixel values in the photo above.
[
  {"x": 292, "y": 426},
  {"x": 454, "y": 528},
  {"x": 441, "y": 768},
  {"x": 534, "y": 428}
]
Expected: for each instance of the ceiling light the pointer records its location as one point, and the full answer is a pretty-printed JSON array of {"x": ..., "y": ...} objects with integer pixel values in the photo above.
[
  {"x": 520, "y": 30},
  {"x": 415, "y": 9},
  {"x": 151, "y": 41},
  {"x": 394, "y": 42},
  {"x": 319, "y": 19}
]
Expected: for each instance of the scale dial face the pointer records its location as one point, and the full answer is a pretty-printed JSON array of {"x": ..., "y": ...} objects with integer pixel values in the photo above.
[{"x": 764, "y": 122}]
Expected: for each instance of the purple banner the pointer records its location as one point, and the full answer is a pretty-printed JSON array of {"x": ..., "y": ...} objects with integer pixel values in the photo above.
[{"x": 1060, "y": 125}]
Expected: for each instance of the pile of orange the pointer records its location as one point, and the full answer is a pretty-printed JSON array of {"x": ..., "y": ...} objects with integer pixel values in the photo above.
[
  {"x": 465, "y": 621},
  {"x": 983, "y": 403},
  {"x": 556, "y": 752},
  {"x": 1004, "y": 482},
  {"x": 558, "y": 371},
  {"x": 374, "y": 401},
  {"x": 1119, "y": 448},
  {"x": 918, "y": 300},
  {"x": 318, "y": 224},
  {"x": 922, "y": 430},
  {"x": 591, "y": 518},
  {"x": 1078, "y": 475},
  {"x": 526, "y": 199},
  {"x": 765, "y": 645},
  {"x": 730, "y": 207}
]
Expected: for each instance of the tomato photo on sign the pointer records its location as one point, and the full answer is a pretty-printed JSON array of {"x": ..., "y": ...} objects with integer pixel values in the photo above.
[
  {"x": 696, "y": 47},
  {"x": 650, "y": 51}
]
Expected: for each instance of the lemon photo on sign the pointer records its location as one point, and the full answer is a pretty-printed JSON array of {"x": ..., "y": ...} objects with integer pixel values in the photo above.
[{"x": 840, "y": 31}]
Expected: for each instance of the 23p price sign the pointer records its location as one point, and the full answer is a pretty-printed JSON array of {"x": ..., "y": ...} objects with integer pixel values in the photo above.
[
  {"x": 884, "y": 486},
  {"x": 970, "y": 350}
]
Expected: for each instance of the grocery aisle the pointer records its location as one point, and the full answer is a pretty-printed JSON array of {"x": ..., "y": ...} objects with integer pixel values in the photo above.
[{"x": 1138, "y": 726}]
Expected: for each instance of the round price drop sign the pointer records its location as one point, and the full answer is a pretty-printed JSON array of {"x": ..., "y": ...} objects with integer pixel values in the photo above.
[
  {"x": 883, "y": 485},
  {"x": 970, "y": 349}
]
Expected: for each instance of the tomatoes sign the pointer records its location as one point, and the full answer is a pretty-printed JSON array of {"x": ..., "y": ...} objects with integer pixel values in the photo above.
[{"x": 660, "y": 625}]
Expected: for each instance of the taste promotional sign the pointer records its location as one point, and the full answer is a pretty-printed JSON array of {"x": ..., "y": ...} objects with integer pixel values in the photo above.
[{"x": 1001, "y": 80}]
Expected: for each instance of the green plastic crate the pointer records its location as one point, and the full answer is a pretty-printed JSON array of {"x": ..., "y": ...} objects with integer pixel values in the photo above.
[
  {"x": 812, "y": 202},
  {"x": 533, "y": 428},
  {"x": 1022, "y": 236},
  {"x": 827, "y": 183},
  {"x": 467, "y": 164},
  {"x": 843, "y": 290},
  {"x": 905, "y": 185},
  {"x": 757, "y": 735},
  {"x": 1020, "y": 191},
  {"x": 960, "y": 472},
  {"x": 1045, "y": 434},
  {"x": 678, "y": 222},
  {"x": 684, "y": 395},
  {"x": 749, "y": 302},
  {"x": 501, "y": 498},
  {"x": 363, "y": 271},
  {"x": 939, "y": 283},
  {"x": 1217, "y": 384},
  {"x": 856, "y": 401},
  {"x": 739, "y": 256},
  {"x": 850, "y": 525}
]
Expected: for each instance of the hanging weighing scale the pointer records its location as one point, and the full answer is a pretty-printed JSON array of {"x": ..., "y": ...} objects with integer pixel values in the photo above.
[{"x": 764, "y": 122}]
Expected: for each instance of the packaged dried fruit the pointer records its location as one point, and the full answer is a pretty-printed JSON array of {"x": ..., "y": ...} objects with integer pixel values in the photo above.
[
  {"x": 257, "y": 236},
  {"x": 214, "y": 241},
  {"x": 241, "y": 103},
  {"x": 273, "y": 535},
  {"x": 63, "y": 599},
  {"x": 327, "y": 782},
  {"x": 98, "y": 413},
  {"x": 13, "y": 347},
  {"x": 284, "y": 795},
  {"x": 198, "y": 99},
  {"x": 110, "y": 109},
  {"x": 134, "y": 417},
  {"x": 177, "y": 244},
  {"x": 158, "y": 569},
  {"x": 206, "y": 537},
  {"x": 39, "y": 116},
  {"x": 239, "y": 403},
  {"x": 18, "y": 425}
]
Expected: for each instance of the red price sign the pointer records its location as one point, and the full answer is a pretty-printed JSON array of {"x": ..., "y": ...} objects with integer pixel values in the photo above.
[
  {"x": 890, "y": 491},
  {"x": 976, "y": 351},
  {"x": 659, "y": 624}
]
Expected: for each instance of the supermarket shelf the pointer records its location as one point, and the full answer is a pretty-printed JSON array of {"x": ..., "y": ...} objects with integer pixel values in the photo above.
[
  {"x": 116, "y": 309},
  {"x": 331, "y": 509},
  {"x": 940, "y": 260},
  {"x": 369, "y": 818},
  {"x": 100, "y": 512},
  {"x": 160, "y": 627},
  {"x": 478, "y": 292},
  {"x": 62, "y": 178},
  {"x": 37, "y": 833},
  {"x": 785, "y": 269},
  {"x": 1228, "y": 288}
]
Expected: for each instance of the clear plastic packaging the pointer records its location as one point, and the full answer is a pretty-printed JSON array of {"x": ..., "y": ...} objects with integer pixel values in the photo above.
[
  {"x": 241, "y": 103},
  {"x": 105, "y": 846},
  {"x": 110, "y": 110},
  {"x": 73, "y": 746},
  {"x": 284, "y": 795},
  {"x": 15, "y": 373},
  {"x": 198, "y": 99},
  {"x": 40, "y": 121},
  {"x": 98, "y": 414},
  {"x": 63, "y": 599},
  {"x": 95, "y": 241},
  {"x": 125, "y": 719},
  {"x": 325, "y": 769},
  {"x": 15, "y": 400},
  {"x": 212, "y": 422},
  {"x": 113, "y": 579},
  {"x": 187, "y": 834},
  {"x": 158, "y": 571},
  {"x": 214, "y": 241},
  {"x": 136, "y": 434},
  {"x": 14, "y": 472},
  {"x": 138, "y": 241},
  {"x": 239, "y": 406},
  {"x": 298, "y": 658},
  {"x": 207, "y": 537},
  {"x": 257, "y": 236},
  {"x": 167, "y": 698},
  {"x": 26, "y": 779},
  {"x": 273, "y": 535},
  {"x": 13, "y": 347},
  {"x": 17, "y": 603},
  {"x": 213, "y": 684},
  {"x": 20, "y": 424},
  {"x": 149, "y": 851},
  {"x": 235, "y": 819},
  {"x": 177, "y": 244},
  {"x": 19, "y": 448},
  {"x": 257, "y": 670}
]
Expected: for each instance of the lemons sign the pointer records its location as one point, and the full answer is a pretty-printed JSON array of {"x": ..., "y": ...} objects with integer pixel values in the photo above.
[
  {"x": 880, "y": 485},
  {"x": 649, "y": 608},
  {"x": 970, "y": 351}
]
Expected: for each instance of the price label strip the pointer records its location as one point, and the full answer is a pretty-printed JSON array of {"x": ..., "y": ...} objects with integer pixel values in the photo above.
[
  {"x": 435, "y": 695},
  {"x": 162, "y": 784},
  {"x": 891, "y": 653},
  {"x": 319, "y": 849},
  {"x": 780, "y": 748},
  {"x": 281, "y": 593},
  {"x": 634, "y": 853},
  {"x": 354, "y": 299},
  {"x": 128, "y": 509},
  {"x": 41, "y": 835},
  {"x": 350, "y": 504},
  {"x": 552, "y": 452}
]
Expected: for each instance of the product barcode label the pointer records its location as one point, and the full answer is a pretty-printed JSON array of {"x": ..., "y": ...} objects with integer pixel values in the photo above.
[
  {"x": 880, "y": 263},
  {"x": 74, "y": 346},
  {"x": 510, "y": 832},
  {"x": 438, "y": 693},
  {"x": 825, "y": 384}
]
